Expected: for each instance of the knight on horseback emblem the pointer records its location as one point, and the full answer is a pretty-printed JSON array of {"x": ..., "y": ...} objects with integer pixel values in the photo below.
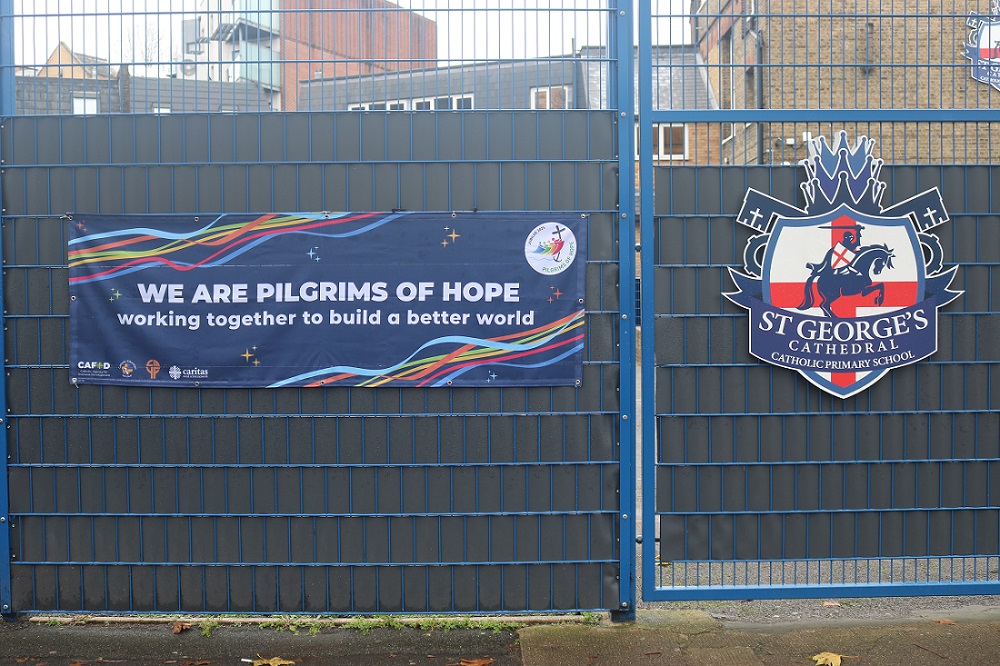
[
  {"x": 846, "y": 270},
  {"x": 842, "y": 312}
]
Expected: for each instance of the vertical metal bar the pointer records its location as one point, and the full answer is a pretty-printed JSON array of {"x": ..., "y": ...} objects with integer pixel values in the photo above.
[
  {"x": 624, "y": 56},
  {"x": 6, "y": 111},
  {"x": 7, "y": 91},
  {"x": 648, "y": 424}
]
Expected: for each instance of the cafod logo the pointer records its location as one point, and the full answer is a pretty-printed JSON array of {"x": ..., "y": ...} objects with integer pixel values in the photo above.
[
  {"x": 550, "y": 248},
  {"x": 983, "y": 45},
  {"x": 843, "y": 290}
]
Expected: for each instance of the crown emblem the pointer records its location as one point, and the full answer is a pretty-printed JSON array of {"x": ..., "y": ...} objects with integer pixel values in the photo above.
[{"x": 842, "y": 175}]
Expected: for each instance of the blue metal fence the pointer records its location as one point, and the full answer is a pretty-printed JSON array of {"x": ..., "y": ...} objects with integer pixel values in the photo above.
[
  {"x": 757, "y": 483},
  {"x": 328, "y": 500}
]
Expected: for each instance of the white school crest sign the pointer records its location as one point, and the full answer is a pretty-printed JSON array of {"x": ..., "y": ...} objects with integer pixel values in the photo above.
[
  {"x": 843, "y": 290},
  {"x": 983, "y": 46}
]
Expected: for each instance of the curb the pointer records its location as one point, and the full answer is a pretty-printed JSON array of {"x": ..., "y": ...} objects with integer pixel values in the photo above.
[{"x": 268, "y": 621}]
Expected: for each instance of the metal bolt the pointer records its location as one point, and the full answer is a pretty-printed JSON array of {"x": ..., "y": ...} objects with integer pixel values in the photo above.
[
  {"x": 623, "y": 114},
  {"x": 2, "y": 519},
  {"x": 624, "y": 604},
  {"x": 624, "y": 417},
  {"x": 624, "y": 516},
  {"x": 6, "y": 607},
  {"x": 621, "y": 13},
  {"x": 624, "y": 316}
]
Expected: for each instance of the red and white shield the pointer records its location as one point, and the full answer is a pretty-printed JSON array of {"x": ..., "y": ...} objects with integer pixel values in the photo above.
[{"x": 797, "y": 243}]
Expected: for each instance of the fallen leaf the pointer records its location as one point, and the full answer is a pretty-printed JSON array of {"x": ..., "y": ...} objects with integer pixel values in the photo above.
[
  {"x": 178, "y": 627},
  {"x": 649, "y": 653},
  {"x": 204, "y": 662},
  {"x": 476, "y": 662},
  {"x": 831, "y": 603},
  {"x": 830, "y": 658},
  {"x": 945, "y": 621},
  {"x": 273, "y": 661}
]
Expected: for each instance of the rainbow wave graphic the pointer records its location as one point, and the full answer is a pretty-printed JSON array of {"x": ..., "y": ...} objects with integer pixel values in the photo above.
[
  {"x": 218, "y": 243},
  {"x": 563, "y": 337}
]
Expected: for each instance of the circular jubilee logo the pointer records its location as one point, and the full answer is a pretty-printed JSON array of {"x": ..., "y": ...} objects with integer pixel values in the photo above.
[{"x": 550, "y": 248}]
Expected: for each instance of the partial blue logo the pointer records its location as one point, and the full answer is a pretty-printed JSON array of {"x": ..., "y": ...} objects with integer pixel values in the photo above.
[
  {"x": 842, "y": 290},
  {"x": 983, "y": 46}
]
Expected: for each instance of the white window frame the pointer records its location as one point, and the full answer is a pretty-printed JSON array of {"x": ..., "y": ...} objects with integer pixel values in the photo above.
[
  {"x": 85, "y": 105},
  {"x": 452, "y": 102},
  {"x": 664, "y": 129},
  {"x": 403, "y": 105},
  {"x": 548, "y": 89},
  {"x": 156, "y": 108}
]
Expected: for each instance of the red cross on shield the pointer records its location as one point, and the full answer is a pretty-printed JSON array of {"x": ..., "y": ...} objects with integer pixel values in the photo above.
[{"x": 842, "y": 256}]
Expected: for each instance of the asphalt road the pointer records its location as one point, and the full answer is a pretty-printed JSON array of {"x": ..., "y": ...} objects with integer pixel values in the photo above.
[{"x": 28, "y": 644}]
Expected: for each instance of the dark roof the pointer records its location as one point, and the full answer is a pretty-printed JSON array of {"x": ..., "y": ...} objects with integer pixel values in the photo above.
[
  {"x": 46, "y": 95},
  {"x": 680, "y": 78},
  {"x": 493, "y": 84}
]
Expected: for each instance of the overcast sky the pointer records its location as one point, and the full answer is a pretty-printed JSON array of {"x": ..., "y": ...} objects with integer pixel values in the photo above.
[{"x": 467, "y": 29}]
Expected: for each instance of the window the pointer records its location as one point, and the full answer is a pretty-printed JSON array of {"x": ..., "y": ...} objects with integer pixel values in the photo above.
[
  {"x": 395, "y": 105},
  {"x": 727, "y": 82},
  {"x": 84, "y": 105},
  {"x": 669, "y": 142},
  {"x": 443, "y": 103},
  {"x": 553, "y": 97},
  {"x": 156, "y": 108}
]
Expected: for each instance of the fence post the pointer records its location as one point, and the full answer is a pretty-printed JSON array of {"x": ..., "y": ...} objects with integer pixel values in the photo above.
[
  {"x": 647, "y": 457},
  {"x": 6, "y": 111},
  {"x": 7, "y": 92},
  {"x": 624, "y": 57}
]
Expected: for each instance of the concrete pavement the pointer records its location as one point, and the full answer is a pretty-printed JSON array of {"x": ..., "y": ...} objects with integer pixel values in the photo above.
[
  {"x": 695, "y": 638},
  {"x": 965, "y": 635}
]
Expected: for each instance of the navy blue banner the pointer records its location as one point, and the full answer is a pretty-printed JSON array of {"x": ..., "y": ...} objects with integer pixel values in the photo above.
[
  {"x": 859, "y": 344},
  {"x": 328, "y": 299}
]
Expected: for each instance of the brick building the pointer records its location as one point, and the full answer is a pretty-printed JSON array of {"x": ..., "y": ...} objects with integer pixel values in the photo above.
[
  {"x": 856, "y": 54},
  {"x": 337, "y": 38},
  {"x": 277, "y": 44}
]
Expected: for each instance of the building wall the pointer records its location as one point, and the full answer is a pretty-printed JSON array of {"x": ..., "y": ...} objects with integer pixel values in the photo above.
[
  {"x": 850, "y": 55},
  {"x": 63, "y": 64},
  {"x": 321, "y": 42}
]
